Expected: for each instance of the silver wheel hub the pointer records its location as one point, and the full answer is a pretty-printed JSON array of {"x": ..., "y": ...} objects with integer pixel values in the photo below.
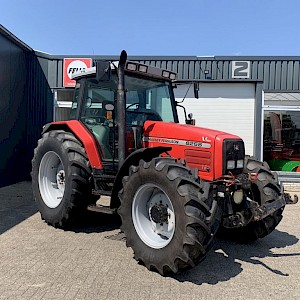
[
  {"x": 60, "y": 180},
  {"x": 153, "y": 216},
  {"x": 159, "y": 213},
  {"x": 51, "y": 179}
]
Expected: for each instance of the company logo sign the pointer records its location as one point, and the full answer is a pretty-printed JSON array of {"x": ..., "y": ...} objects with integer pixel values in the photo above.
[{"x": 74, "y": 65}]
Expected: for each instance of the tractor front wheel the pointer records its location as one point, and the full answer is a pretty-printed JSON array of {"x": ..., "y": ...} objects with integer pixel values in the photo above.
[{"x": 163, "y": 211}]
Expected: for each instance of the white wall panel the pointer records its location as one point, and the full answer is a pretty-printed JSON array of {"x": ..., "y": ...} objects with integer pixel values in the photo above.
[{"x": 223, "y": 106}]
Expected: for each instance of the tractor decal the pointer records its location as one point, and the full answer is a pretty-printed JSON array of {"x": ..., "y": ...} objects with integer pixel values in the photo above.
[{"x": 177, "y": 142}]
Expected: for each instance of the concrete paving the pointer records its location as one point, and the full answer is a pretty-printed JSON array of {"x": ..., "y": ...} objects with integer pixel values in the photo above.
[{"x": 91, "y": 261}]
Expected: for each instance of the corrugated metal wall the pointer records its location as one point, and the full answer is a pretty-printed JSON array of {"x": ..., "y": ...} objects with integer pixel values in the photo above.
[
  {"x": 26, "y": 104},
  {"x": 277, "y": 73},
  {"x": 39, "y": 104},
  {"x": 12, "y": 106}
]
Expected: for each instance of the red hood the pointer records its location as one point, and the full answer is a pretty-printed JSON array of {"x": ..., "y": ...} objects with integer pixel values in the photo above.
[{"x": 182, "y": 131}]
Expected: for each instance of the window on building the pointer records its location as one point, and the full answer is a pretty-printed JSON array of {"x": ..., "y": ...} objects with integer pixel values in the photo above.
[{"x": 281, "y": 147}]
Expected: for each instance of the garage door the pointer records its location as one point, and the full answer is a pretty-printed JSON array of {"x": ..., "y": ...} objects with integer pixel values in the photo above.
[{"x": 223, "y": 106}]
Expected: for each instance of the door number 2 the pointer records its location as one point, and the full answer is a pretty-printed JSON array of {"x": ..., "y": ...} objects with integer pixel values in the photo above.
[{"x": 240, "y": 69}]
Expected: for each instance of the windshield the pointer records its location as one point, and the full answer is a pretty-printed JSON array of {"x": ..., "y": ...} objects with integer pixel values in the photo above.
[{"x": 149, "y": 96}]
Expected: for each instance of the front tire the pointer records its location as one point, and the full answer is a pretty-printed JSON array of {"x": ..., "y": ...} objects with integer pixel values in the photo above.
[
  {"x": 60, "y": 178},
  {"x": 163, "y": 211}
]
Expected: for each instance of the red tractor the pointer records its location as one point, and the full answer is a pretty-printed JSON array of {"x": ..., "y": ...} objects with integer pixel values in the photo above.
[{"x": 173, "y": 185}]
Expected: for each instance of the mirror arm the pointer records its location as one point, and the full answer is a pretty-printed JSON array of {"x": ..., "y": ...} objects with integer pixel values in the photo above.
[
  {"x": 189, "y": 120},
  {"x": 185, "y": 116}
]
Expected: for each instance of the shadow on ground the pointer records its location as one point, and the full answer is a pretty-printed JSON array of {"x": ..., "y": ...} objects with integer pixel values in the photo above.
[
  {"x": 93, "y": 222},
  {"x": 222, "y": 263},
  {"x": 16, "y": 205}
]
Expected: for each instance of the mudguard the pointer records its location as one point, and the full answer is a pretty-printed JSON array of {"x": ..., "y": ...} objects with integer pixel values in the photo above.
[
  {"x": 82, "y": 133},
  {"x": 147, "y": 154}
]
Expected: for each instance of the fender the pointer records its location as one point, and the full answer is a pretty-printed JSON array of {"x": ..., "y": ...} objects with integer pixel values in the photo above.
[
  {"x": 147, "y": 154},
  {"x": 83, "y": 134}
]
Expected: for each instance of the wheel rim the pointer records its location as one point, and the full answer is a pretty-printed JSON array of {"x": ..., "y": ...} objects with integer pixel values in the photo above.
[
  {"x": 153, "y": 216},
  {"x": 51, "y": 179}
]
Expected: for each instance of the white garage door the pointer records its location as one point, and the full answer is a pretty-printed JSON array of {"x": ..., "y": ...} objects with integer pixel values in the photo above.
[{"x": 224, "y": 106}]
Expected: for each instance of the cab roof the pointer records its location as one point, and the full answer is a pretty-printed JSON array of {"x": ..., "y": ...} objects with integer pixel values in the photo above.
[{"x": 130, "y": 67}]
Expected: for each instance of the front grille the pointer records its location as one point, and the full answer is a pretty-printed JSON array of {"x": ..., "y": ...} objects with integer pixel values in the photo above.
[
  {"x": 233, "y": 150},
  {"x": 198, "y": 159}
]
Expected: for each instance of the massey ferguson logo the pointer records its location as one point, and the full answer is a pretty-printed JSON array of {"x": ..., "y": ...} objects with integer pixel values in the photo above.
[
  {"x": 72, "y": 66},
  {"x": 236, "y": 147}
]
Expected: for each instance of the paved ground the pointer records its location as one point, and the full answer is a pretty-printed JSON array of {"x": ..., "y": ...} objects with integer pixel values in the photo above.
[{"x": 92, "y": 261}]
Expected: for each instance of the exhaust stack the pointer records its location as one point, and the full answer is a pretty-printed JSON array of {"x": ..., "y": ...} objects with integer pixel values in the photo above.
[{"x": 121, "y": 109}]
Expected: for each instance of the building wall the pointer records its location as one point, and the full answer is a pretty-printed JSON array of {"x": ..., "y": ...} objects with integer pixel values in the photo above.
[
  {"x": 12, "y": 107},
  {"x": 25, "y": 104},
  {"x": 276, "y": 73},
  {"x": 244, "y": 116},
  {"x": 39, "y": 100},
  {"x": 226, "y": 107}
]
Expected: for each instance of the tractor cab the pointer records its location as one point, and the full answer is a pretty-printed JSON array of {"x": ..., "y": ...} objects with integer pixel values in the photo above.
[{"x": 148, "y": 94}]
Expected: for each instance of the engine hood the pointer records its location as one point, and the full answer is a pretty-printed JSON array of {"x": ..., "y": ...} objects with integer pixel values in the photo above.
[
  {"x": 182, "y": 132},
  {"x": 201, "y": 148}
]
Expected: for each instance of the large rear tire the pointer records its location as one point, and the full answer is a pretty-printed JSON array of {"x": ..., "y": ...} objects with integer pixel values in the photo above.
[
  {"x": 164, "y": 215},
  {"x": 60, "y": 178},
  {"x": 264, "y": 189}
]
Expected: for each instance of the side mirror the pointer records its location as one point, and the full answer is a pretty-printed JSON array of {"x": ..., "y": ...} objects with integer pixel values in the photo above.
[
  {"x": 103, "y": 70},
  {"x": 190, "y": 120},
  {"x": 196, "y": 90}
]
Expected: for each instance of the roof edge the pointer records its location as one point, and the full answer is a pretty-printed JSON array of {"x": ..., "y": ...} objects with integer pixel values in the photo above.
[
  {"x": 170, "y": 58},
  {"x": 14, "y": 39}
]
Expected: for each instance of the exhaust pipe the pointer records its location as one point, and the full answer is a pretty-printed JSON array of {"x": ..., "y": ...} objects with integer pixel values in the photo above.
[{"x": 121, "y": 109}]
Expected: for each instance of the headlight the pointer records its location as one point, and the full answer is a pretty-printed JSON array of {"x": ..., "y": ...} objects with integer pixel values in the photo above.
[
  {"x": 131, "y": 66},
  {"x": 143, "y": 68},
  {"x": 172, "y": 76},
  {"x": 230, "y": 164},
  {"x": 240, "y": 163},
  {"x": 233, "y": 156},
  {"x": 165, "y": 74},
  {"x": 238, "y": 197}
]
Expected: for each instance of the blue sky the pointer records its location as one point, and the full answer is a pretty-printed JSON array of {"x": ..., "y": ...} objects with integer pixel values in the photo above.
[{"x": 156, "y": 27}]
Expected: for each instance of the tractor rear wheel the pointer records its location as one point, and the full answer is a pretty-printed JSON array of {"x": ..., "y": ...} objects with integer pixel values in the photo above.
[
  {"x": 264, "y": 189},
  {"x": 60, "y": 178},
  {"x": 164, "y": 214}
]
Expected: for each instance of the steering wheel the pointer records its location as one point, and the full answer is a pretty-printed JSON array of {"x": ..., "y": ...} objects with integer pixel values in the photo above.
[
  {"x": 138, "y": 117},
  {"x": 136, "y": 103},
  {"x": 150, "y": 114}
]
